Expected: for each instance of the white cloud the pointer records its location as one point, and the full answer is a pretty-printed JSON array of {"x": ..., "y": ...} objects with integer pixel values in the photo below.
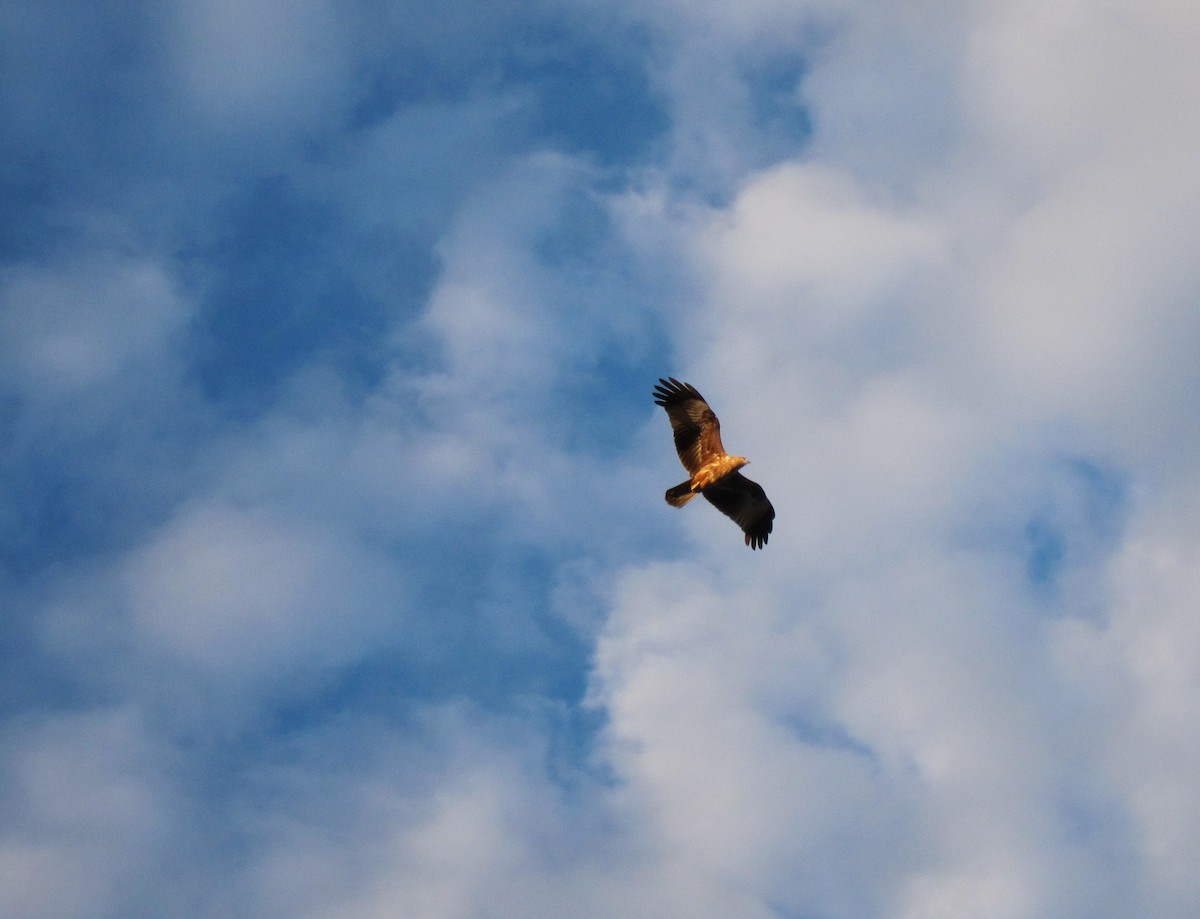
[
  {"x": 723, "y": 738},
  {"x": 491, "y": 302},
  {"x": 1139, "y": 669},
  {"x": 803, "y": 241},
  {"x": 1058, "y": 85},
  {"x": 913, "y": 349},
  {"x": 245, "y": 66},
  {"x": 87, "y": 808},
  {"x": 1085, "y": 307},
  {"x": 91, "y": 324},
  {"x": 243, "y": 594},
  {"x": 452, "y": 816}
]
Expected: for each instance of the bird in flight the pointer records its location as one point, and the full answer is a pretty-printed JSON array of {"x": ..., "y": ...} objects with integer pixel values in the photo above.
[{"x": 714, "y": 473}]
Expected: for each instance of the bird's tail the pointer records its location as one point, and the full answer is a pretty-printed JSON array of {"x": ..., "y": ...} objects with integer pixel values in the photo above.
[{"x": 681, "y": 494}]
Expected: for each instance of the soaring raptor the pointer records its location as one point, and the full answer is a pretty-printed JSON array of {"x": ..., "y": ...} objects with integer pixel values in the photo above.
[{"x": 714, "y": 473}]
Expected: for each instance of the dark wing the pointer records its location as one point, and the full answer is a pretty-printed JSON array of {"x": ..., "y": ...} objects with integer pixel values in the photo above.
[
  {"x": 697, "y": 431},
  {"x": 746, "y": 504}
]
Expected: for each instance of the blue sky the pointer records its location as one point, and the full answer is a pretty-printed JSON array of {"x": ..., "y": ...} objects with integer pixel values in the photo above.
[{"x": 336, "y": 576}]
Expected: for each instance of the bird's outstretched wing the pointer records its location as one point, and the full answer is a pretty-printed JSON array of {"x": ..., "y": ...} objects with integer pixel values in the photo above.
[
  {"x": 744, "y": 502},
  {"x": 697, "y": 430}
]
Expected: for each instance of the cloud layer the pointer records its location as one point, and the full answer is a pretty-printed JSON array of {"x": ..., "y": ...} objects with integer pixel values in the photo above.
[{"x": 337, "y": 577}]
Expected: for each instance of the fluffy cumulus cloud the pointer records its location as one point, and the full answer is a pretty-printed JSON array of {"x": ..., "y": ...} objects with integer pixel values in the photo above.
[{"x": 337, "y": 577}]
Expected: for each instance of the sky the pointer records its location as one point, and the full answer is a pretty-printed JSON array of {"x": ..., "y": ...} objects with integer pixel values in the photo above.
[{"x": 336, "y": 580}]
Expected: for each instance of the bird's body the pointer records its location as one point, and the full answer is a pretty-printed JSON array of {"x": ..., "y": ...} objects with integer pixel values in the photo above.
[{"x": 713, "y": 472}]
